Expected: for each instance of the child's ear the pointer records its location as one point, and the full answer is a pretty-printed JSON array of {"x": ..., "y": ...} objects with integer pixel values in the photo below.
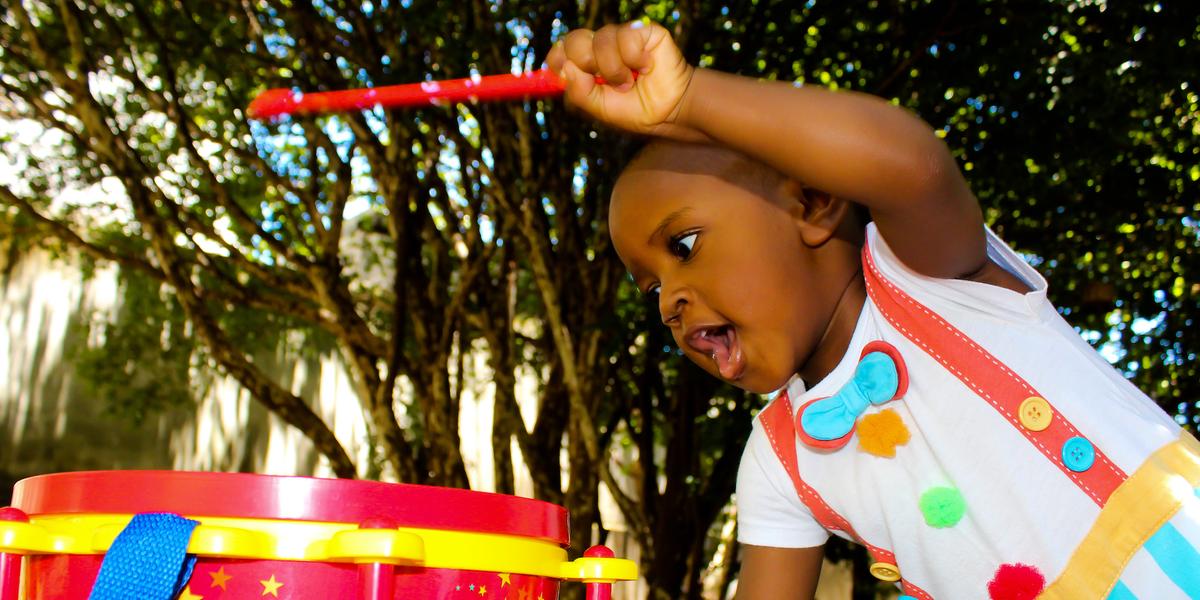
[{"x": 817, "y": 214}]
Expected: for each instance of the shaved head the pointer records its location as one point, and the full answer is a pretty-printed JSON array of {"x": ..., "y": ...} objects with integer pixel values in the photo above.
[{"x": 702, "y": 159}]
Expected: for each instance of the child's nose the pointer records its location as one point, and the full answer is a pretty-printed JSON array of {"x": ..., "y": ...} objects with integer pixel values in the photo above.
[{"x": 671, "y": 301}]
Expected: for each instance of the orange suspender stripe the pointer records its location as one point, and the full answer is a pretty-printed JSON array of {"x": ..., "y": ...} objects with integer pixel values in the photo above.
[
  {"x": 776, "y": 419},
  {"x": 986, "y": 376}
]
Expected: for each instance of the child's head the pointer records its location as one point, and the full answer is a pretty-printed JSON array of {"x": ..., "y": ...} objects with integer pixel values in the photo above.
[{"x": 748, "y": 265}]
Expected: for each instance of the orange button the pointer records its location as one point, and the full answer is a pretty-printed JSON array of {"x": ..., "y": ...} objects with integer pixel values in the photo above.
[
  {"x": 885, "y": 571},
  {"x": 1035, "y": 413}
]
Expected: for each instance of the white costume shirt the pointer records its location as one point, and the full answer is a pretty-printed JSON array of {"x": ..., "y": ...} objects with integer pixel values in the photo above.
[{"x": 1020, "y": 507}]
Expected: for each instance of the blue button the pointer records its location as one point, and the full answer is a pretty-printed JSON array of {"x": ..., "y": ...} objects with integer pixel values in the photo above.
[{"x": 1078, "y": 454}]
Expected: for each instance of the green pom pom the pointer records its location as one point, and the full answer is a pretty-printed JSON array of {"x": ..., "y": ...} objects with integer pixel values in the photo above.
[{"x": 942, "y": 506}]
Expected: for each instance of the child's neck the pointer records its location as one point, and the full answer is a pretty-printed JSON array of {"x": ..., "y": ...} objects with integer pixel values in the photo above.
[{"x": 838, "y": 332}]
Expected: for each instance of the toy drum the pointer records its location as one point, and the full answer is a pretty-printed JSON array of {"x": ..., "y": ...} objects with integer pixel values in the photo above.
[{"x": 232, "y": 535}]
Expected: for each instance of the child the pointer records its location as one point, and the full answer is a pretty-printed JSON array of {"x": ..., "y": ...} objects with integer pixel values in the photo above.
[{"x": 934, "y": 405}]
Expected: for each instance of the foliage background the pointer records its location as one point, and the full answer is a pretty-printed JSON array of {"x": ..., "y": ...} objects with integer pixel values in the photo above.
[{"x": 405, "y": 238}]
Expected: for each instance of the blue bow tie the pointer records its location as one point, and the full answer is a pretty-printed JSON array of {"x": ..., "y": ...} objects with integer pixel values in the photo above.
[{"x": 828, "y": 422}]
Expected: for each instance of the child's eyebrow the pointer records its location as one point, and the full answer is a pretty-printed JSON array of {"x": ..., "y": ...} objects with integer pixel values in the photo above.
[{"x": 666, "y": 222}]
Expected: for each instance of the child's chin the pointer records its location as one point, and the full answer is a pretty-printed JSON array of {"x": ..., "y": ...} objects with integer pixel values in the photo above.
[
  {"x": 747, "y": 381},
  {"x": 757, "y": 384},
  {"x": 761, "y": 390}
]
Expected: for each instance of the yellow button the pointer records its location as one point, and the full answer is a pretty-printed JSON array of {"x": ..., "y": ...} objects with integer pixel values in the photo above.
[
  {"x": 885, "y": 571},
  {"x": 1035, "y": 413}
]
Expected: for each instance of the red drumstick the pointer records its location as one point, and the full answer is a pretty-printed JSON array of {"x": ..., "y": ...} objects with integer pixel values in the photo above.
[{"x": 537, "y": 84}]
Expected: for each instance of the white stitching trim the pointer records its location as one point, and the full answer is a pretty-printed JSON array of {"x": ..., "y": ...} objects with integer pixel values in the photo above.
[{"x": 1102, "y": 458}]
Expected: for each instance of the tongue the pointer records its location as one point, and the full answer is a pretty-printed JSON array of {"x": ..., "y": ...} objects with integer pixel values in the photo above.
[
  {"x": 719, "y": 345},
  {"x": 729, "y": 355}
]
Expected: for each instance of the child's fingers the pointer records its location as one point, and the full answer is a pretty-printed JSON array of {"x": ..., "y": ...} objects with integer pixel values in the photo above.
[
  {"x": 608, "y": 58},
  {"x": 636, "y": 42},
  {"x": 578, "y": 47},
  {"x": 556, "y": 58}
]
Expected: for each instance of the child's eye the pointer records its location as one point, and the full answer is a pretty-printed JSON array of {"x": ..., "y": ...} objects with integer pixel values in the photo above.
[
  {"x": 653, "y": 290},
  {"x": 682, "y": 246}
]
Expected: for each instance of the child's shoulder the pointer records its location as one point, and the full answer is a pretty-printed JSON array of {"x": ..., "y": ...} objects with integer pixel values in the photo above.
[{"x": 1007, "y": 279}]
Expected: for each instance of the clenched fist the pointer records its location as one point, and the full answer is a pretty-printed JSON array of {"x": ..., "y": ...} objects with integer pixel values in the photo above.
[{"x": 646, "y": 79}]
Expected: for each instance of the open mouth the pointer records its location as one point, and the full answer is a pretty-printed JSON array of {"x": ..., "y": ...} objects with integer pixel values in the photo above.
[{"x": 719, "y": 343}]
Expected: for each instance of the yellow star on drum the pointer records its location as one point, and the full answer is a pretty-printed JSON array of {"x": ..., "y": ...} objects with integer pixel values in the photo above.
[
  {"x": 188, "y": 595},
  {"x": 504, "y": 579},
  {"x": 220, "y": 578},
  {"x": 270, "y": 586}
]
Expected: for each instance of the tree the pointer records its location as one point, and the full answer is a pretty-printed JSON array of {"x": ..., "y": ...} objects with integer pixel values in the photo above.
[
  {"x": 487, "y": 221},
  {"x": 485, "y": 225}
]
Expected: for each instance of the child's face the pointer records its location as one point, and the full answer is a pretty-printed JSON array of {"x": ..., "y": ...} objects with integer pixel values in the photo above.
[{"x": 736, "y": 283}]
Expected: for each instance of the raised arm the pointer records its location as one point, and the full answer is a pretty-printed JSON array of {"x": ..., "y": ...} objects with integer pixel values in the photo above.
[
  {"x": 850, "y": 145},
  {"x": 779, "y": 573}
]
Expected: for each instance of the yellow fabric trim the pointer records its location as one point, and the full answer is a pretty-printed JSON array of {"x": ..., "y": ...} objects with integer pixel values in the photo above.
[
  {"x": 1137, "y": 509},
  {"x": 270, "y": 539}
]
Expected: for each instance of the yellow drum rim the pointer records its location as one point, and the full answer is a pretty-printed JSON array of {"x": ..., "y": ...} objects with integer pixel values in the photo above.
[{"x": 315, "y": 541}]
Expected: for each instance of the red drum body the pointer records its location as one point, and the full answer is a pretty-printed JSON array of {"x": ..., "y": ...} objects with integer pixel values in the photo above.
[{"x": 263, "y": 536}]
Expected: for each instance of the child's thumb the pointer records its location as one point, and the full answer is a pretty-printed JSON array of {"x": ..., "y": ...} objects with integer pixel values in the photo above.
[{"x": 580, "y": 85}]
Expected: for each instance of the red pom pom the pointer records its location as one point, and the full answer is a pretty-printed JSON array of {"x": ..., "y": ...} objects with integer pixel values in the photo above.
[
  {"x": 599, "y": 552},
  {"x": 1016, "y": 582}
]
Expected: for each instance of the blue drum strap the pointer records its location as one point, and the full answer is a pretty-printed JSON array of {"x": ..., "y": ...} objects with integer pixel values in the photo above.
[{"x": 148, "y": 560}]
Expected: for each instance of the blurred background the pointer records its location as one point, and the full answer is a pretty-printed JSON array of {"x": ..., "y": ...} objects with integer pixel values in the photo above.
[{"x": 430, "y": 296}]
